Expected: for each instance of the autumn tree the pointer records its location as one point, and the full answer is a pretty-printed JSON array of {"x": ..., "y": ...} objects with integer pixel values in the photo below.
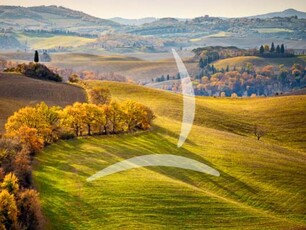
[
  {"x": 22, "y": 168},
  {"x": 30, "y": 139},
  {"x": 137, "y": 115},
  {"x": 30, "y": 211},
  {"x": 8, "y": 210},
  {"x": 10, "y": 183},
  {"x": 72, "y": 117},
  {"x": 259, "y": 132},
  {"x": 115, "y": 117},
  {"x": 42, "y": 118},
  {"x": 99, "y": 95},
  {"x": 267, "y": 48}
]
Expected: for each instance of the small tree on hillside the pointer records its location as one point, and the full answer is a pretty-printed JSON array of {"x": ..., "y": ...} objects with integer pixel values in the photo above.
[
  {"x": 261, "y": 50},
  {"x": 99, "y": 95},
  {"x": 259, "y": 132},
  {"x": 282, "y": 49},
  {"x": 278, "y": 49},
  {"x": 36, "y": 57},
  {"x": 272, "y": 50}
]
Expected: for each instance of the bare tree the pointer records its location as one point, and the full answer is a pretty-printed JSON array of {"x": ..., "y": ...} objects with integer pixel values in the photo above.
[{"x": 259, "y": 132}]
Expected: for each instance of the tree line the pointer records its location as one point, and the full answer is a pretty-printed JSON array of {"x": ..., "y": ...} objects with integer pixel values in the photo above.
[{"x": 274, "y": 51}]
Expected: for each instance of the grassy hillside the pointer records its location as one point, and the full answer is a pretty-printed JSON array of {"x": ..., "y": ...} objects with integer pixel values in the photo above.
[
  {"x": 53, "y": 41},
  {"x": 17, "y": 91},
  {"x": 261, "y": 184},
  {"x": 259, "y": 61}
]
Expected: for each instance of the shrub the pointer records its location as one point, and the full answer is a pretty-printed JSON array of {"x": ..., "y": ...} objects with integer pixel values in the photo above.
[
  {"x": 36, "y": 70},
  {"x": 234, "y": 95},
  {"x": 74, "y": 78}
]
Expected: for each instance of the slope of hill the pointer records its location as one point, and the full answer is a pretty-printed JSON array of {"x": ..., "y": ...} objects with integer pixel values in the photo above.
[
  {"x": 285, "y": 13},
  {"x": 52, "y": 17},
  {"x": 17, "y": 91},
  {"x": 133, "y": 68},
  {"x": 261, "y": 184},
  {"x": 259, "y": 61}
]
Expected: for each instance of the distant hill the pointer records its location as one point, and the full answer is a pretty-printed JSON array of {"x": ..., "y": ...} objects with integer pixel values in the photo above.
[
  {"x": 140, "y": 21},
  {"x": 285, "y": 13},
  {"x": 52, "y": 17},
  {"x": 133, "y": 22}
]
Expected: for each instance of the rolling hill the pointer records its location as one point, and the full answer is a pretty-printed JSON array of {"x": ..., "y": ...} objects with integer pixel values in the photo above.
[
  {"x": 259, "y": 61},
  {"x": 17, "y": 91},
  {"x": 285, "y": 13},
  {"x": 262, "y": 183},
  {"x": 52, "y": 18},
  {"x": 133, "y": 68}
]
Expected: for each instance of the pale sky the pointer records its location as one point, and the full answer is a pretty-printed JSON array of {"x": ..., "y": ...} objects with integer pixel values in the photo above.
[{"x": 168, "y": 8}]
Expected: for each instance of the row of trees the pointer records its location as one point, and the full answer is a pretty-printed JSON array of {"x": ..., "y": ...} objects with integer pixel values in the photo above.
[
  {"x": 279, "y": 49},
  {"x": 40, "y": 125},
  {"x": 267, "y": 81},
  {"x": 246, "y": 81}
]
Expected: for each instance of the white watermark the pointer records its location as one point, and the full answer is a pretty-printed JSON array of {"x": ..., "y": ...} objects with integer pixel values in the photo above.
[{"x": 168, "y": 160}]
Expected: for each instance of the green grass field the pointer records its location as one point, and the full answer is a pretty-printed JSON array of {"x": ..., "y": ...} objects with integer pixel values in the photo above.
[
  {"x": 17, "y": 91},
  {"x": 272, "y": 30},
  {"x": 262, "y": 183},
  {"x": 53, "y": 41},
  {"x": 259, "y": 61}
]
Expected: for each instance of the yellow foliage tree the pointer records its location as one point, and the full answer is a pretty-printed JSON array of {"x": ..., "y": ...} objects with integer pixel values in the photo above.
[
  {"x": 30, "y": 139},
  {"x": 8, "y": 210},
  {"x": 10, "y": 183},
  {"x": 99, "y": 95},
  {"x": 43, "y": 118}
]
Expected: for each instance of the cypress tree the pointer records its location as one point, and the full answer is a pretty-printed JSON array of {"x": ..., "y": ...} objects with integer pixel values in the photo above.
[
  {"x": 36, "y": 56},
  {"x": 261, "y": 50},
  {"x": 282, "y": 49},
  {"x": 272, "y": 50},
  {"x": 278, "y": 49}
]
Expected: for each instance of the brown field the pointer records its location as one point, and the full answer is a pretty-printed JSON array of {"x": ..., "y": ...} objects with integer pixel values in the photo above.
[
  {"x": 131, "y": 67},
  {"x": 17, "y": 91}
]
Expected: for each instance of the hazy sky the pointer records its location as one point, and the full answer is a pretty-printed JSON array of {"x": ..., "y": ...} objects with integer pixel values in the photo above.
[{"x": 168, "y": 8}]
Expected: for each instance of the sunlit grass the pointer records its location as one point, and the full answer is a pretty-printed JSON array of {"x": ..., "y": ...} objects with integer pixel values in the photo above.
[{"x": 261, "y": 184}]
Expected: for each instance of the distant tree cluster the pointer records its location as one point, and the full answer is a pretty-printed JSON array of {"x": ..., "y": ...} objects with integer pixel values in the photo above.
[
  {"x": 274, "y": 51},
  {"x": 58, "y": 32},
  {"x": 246, "y": 81},
  {"x": 166, "y": 78},
  {"x": 35, "y": 70}
]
